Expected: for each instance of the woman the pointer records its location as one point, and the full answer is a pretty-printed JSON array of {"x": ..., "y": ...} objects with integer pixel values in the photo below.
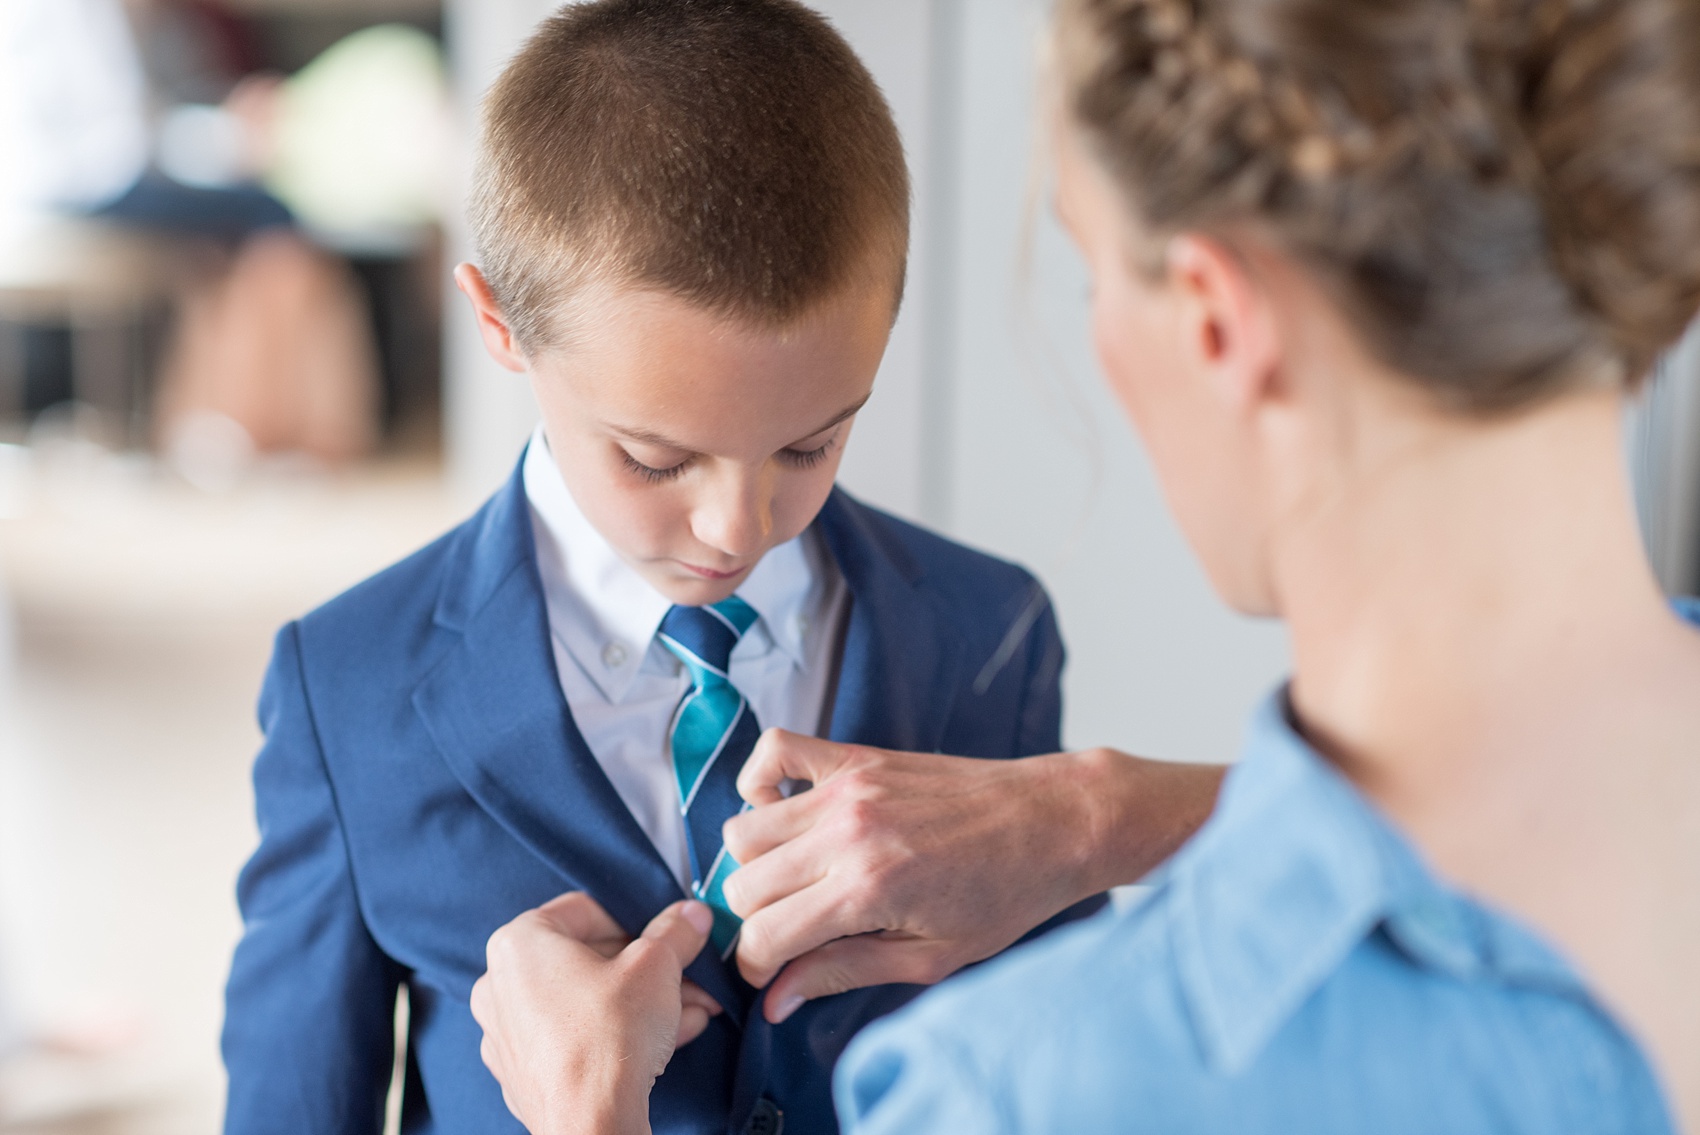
[{"x": 1372, "y": 281}]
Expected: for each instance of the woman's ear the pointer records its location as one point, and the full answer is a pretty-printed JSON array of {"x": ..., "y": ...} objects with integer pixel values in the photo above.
[
  {"x": 1228, "y": 325},
  {"x": 498, "y": 336}
]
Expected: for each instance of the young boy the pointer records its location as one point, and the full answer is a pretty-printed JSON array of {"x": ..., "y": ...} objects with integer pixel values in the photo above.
[{"x": 693, "y": 220}]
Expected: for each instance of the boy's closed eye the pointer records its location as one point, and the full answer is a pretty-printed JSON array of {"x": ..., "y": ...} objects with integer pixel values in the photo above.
[{"x": 802, "y": 455}]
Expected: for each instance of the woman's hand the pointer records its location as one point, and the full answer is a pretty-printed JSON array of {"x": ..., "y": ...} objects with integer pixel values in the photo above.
[
  {"x": 905, "y": 867},
  {"x": 579, "y": 1019}
]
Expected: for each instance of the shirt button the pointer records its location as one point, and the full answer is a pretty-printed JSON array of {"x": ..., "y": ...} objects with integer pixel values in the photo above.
[
  {"x": 766, "y": 1119},
  {"x": 613, "y": 656}
]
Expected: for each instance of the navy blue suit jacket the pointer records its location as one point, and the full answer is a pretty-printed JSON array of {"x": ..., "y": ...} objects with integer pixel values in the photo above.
[{"x": 422, "y": 783}]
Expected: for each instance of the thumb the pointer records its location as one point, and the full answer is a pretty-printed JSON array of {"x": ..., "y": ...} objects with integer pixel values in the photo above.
[
  {"x": 780, "y": 756},
  {"x": 683, "y": 929}
]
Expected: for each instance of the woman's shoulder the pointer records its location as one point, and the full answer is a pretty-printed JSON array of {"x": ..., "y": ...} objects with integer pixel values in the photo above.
[
  {"x": 1295, "y": 955},
  {"x": 1102, "y": 1027}
]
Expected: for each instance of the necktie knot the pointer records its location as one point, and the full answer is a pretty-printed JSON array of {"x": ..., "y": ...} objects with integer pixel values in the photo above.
[{"x": 703, "y": 637}]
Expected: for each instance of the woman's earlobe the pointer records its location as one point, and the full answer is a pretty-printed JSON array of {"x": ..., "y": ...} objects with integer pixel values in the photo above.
[{"x": 1235, "y": 333}]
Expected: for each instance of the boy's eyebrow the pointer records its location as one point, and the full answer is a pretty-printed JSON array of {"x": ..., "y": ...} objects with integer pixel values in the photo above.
[{"x": 662, "y": 441}]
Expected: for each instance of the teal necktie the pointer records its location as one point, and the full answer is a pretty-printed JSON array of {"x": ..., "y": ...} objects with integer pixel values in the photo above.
[{"x": 713, "y": 732}]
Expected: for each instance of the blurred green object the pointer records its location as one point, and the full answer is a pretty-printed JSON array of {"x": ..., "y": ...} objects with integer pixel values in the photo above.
[{"x": 362, "y": 133}]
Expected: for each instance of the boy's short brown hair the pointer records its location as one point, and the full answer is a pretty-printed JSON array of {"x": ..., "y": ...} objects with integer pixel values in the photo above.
[{"x": 734, "y": 153}]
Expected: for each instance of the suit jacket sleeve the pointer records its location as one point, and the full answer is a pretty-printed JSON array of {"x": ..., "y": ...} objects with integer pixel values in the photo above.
[
  {"x": 310, "y": 1007},
  {"x": 1039, "y": 726}
]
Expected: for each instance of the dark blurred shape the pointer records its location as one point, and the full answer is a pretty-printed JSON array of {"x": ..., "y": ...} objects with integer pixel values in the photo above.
[
  {"x": 46, "y": 367},
  {"x": 157, "y": 202}
]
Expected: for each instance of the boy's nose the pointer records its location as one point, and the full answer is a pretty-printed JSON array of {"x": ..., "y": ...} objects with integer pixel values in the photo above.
[{"x": 737, "y": 521}]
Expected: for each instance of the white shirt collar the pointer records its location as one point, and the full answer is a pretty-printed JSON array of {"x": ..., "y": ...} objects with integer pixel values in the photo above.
[{"x": 607, "y": 615}]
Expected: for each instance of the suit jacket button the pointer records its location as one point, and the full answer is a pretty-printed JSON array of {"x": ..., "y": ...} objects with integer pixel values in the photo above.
[{"x": 766, "y": 1119}]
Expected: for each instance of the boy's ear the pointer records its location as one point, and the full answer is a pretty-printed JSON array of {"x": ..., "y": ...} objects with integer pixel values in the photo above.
[
  {"x": 498, "y": 336},
  {"x": 1229, "y": 324}
]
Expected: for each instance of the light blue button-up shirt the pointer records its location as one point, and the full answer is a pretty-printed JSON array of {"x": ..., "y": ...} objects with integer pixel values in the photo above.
[{"x": 1298, "y": 971}]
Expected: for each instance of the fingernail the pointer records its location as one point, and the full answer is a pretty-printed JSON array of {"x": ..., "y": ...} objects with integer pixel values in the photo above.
[
  {"x": 785, "y": 1008},
  {"x": 699, "y": 916}
]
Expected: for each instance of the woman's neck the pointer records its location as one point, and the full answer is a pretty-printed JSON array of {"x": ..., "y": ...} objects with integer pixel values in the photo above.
[
  {"x": 1480, "y": 646},
  {"x": 1463, "y": 582}
]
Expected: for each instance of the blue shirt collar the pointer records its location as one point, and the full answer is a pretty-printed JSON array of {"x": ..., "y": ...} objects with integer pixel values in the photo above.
[{"x": 1294, "y": 871}]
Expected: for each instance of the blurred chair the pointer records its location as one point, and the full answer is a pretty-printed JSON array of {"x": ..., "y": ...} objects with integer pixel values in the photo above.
[{"x": 105, "y": 284}]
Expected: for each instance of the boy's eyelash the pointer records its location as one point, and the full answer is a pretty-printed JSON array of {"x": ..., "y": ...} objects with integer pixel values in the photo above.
[
  {"x": 806, "y": 458},
  {"x": 649, "y": 472},
  {"x": 800, "y": 458}
]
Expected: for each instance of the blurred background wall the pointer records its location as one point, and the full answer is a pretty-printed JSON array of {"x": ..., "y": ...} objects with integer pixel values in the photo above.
[{"x": 230, "y": 393}]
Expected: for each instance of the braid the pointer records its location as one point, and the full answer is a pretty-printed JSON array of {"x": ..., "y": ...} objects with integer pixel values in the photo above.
[{"x": 1439, "y": 162}]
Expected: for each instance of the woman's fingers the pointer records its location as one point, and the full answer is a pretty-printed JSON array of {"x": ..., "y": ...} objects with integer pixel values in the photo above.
[
  {"x": 696, "y": 1009},
  {"x": 790, "y": 928},
  {"x": 791, "y": 864},
  {"x": 780, "y": 756},
  {"x": 481, "y": 1001},
  {"x": 690, "y": 993},
  {"x": 852, "y": 963},
  {"x": 693, "y": 1020},
  {"x": 752, "y": 834}
]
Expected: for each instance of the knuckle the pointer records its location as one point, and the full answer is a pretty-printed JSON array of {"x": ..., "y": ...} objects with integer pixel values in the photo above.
[
  {"x": 860, "y": 817},
  {"x": 863, "y": 781},
  {"x": 773, "y": 745},
  {"x": 755, "y": 958},
  {"x": 500, "y": 946},
  {"x": 863, "y": 889},
  {"x": 754, "y": 942},
  {"x": 733, "y": 834}
]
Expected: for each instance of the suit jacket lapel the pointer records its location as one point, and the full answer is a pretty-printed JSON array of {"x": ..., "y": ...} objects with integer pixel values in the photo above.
[
  {"x": 900, "y": 670},
  {"x": 495, "y": 711}
]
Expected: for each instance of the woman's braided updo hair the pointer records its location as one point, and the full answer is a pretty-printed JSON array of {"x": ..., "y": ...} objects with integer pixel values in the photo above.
[{"x": 1502, "y": 195}]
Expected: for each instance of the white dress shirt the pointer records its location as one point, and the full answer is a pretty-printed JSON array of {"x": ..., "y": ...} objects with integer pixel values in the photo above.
[{"x": 623, "y": 686}]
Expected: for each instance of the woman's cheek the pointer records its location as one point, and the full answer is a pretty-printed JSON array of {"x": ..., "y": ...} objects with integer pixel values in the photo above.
[{"x": 1110, "y": 338}]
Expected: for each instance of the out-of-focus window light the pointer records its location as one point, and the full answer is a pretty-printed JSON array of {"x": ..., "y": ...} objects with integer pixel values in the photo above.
[
  {"x": 73, "y": 131},
  {"x": 203, "y": 146},
  {"x": 362, "y": 133}
]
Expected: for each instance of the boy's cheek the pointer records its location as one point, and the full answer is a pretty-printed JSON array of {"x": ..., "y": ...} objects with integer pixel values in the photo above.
[
  {"x": 641, "y": 525},
  {"x": 796, "y": 507}
]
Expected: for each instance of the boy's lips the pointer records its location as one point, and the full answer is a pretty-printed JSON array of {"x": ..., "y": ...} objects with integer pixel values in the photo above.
[{"x": 710, "y": 573}]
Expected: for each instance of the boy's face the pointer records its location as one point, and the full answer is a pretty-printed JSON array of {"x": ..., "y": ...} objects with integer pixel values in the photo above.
[{"x": 694, "y": 442}]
